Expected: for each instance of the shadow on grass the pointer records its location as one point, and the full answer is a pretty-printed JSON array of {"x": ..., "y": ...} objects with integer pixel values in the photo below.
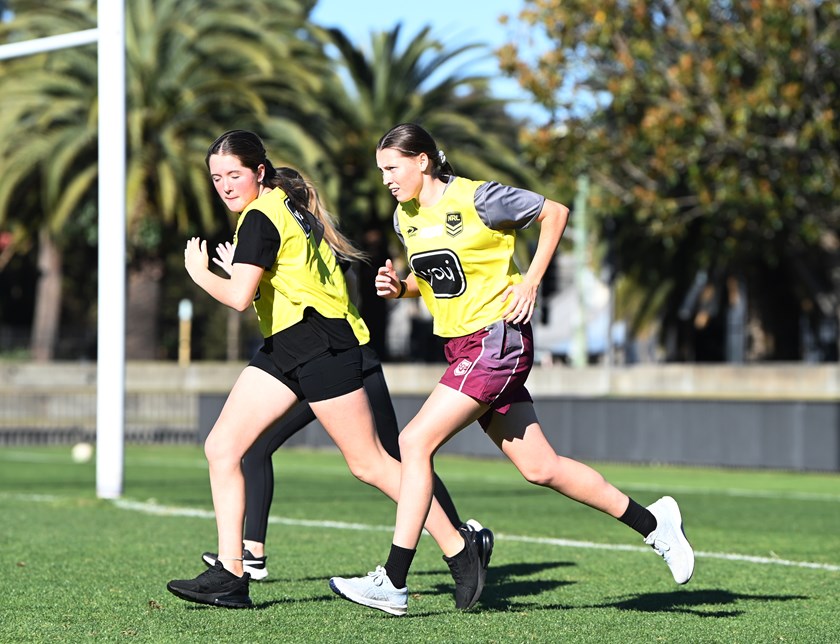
[
  {"x": 703, "y": 603},
  {"x": 513, "y": 581},
  {"x": 495, "y": 574},
  {"x": 503, "y": 583}
]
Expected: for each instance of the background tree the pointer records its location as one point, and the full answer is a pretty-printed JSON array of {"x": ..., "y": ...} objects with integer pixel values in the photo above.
[
  {"x": 710, "y": 130},
  {"x": 194, "y": 69},
  {"x": 398, "y": 80},
  {"x": 48, "y": 154}
]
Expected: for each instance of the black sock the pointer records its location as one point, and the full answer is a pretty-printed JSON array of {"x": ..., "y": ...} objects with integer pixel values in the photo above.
[
  {"x": 399, "y": 561},
  {"x": 639, "y": 518}
]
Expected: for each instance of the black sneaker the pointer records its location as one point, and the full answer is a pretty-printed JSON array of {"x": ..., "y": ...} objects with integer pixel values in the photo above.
[
  {"x": 215, "y": 586},
  {"x": 485, "y": 541},
  {"x": 469, "y": 567},
  {"x": 254, "y": 566}
]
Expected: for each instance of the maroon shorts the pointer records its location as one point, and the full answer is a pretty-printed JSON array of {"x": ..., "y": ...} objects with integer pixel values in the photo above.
[{"x": 491, "y": 365}]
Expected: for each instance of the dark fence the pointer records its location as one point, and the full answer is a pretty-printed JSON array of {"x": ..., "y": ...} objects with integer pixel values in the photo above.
[
  {"x": 68, "y": 417},
  {"x": 785, "y": 417},
  {"x": 790, "y": 435}
]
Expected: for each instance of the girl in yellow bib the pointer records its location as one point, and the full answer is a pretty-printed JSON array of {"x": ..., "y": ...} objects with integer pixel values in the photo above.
[
  {"x": 285, "y": 263},
  {"x": 459, "y": 237}
]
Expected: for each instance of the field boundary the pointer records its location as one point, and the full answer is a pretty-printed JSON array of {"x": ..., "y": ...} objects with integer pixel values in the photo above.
[{"x": 174, "y": 511}]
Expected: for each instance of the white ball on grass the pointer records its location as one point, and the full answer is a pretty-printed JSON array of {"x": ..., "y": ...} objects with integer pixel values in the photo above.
[{"x": 82, "y": 452}]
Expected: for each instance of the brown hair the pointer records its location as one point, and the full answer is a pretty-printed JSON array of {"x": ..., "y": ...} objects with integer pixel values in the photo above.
[
  {"x": 249, "y": 149},
  {"x": 411, "y": 140}
]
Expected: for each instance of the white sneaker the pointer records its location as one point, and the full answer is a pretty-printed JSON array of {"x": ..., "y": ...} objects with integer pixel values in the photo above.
[
  {"x": 668, "y": 540},
  {"x": 375, "y": 590}
]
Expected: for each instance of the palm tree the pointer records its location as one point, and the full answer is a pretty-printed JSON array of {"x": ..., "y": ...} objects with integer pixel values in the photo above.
[
  {"x": 194, "y": 69},
  {"x": 47, "y": 150},
  {"x": 368, "y": 93}
]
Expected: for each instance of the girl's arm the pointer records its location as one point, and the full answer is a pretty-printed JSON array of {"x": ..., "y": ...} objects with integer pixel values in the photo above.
[
  {"x": 236, "y": 292},
  {"x": 523, "y": 296},
  {"x": 389, "y": 285}
]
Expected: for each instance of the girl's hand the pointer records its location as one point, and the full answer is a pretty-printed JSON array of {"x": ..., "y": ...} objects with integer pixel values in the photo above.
[
  {"x": 195, "y": 256},
  {"x": 225, "y": 257},
  {"x": 522, "y": 299},
  {"x": 387, "y": 282}
]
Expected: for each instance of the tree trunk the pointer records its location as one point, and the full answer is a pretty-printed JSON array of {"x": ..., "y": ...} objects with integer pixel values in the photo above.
[
  {"x": 142, "y": 306},
  {"x": 47, "y": 299}
]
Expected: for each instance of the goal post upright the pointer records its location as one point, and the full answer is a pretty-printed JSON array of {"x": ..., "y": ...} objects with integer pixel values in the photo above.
[
  {"x": 110, "y": 333},
  {"x": 110, "y": 372}
]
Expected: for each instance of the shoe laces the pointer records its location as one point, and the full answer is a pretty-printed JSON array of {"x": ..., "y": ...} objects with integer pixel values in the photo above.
[
  {"x": 217, "y": 574},
  {"x": 660, "y": 546},
  {"x": 378, "y": 576}
]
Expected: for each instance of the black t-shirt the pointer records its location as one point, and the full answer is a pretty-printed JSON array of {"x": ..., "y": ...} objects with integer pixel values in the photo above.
[{"x": 257, "y": 241}]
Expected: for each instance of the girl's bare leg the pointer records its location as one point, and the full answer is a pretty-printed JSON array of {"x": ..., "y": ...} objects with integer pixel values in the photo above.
[
  {"x": 444, "y": 413},
  {"x": 256, "y": 400},
  {"x": 519, "y": 435},
  {"x": 368, "y": 461}
]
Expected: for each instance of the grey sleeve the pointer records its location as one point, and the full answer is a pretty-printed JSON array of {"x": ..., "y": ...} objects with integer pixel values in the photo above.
[{"x": 503, "y": 207}]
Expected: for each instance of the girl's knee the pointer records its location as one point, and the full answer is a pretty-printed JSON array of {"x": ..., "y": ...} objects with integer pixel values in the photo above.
[
  {"x": 367, "y": 471},
  {"x": 413, "y": 444},
  {"x": 543, "y": 479},
  {"x": 542, "y": 473},
  {"x": 219, "y": 453}
]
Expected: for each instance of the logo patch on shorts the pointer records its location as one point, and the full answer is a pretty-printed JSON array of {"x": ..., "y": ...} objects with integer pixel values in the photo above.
[{"x": 462, "y": 367}]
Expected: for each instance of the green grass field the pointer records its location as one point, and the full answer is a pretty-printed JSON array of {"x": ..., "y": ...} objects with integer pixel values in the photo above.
[{"x": 77, "y": 568}]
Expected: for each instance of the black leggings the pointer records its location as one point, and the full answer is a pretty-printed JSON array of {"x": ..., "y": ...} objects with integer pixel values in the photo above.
[{"x": 259, "y": 473}]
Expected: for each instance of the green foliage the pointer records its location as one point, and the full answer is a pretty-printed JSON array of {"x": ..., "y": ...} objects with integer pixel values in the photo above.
[
  {"x": 196, "y": 68},
  {"x": 85, "y": 569},
  {"x": 395, "y": 80},
  {"x": 48, "y": 120},
  {"x": 709, "y": 127}
]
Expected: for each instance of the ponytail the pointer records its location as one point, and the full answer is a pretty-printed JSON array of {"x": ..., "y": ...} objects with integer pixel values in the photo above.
[
  {"x": 440, "y": 166},
  {"x": 304, "y": 196}
]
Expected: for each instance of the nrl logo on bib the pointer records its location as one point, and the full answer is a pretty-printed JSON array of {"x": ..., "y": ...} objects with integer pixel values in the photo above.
[
  {"x": 454, "y": 224},
  {"x": 462, "y": 367}
]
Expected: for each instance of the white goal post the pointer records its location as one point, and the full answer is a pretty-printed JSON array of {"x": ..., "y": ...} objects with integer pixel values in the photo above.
[{"x": 110, "y": 364}]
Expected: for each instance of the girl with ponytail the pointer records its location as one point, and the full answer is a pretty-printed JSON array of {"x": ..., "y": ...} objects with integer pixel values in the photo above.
[
  {"x": 285, "y": 263},
  {"x": 459, "y": 239}
]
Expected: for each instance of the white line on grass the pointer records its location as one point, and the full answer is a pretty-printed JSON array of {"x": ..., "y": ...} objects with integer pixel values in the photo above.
[{"x": 163, "y": 510}]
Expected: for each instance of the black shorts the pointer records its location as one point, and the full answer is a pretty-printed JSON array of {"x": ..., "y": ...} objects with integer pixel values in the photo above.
[{"x": 327, "y": 375}]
